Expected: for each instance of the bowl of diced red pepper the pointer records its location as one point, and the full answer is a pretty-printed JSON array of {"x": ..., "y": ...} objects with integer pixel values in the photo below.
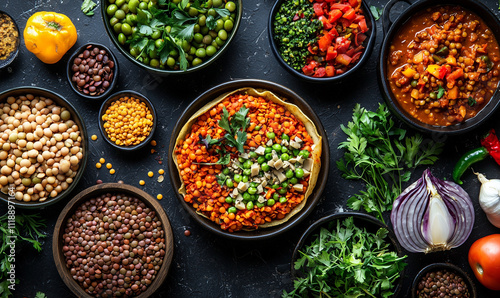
[{"x": 321, "y": 40}]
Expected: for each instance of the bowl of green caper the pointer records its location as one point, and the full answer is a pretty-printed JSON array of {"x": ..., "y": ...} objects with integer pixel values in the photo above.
[{"x": 172, "y": 36}]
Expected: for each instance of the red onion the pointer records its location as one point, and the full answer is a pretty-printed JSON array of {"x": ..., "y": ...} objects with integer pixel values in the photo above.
[{"x": 432, "y": 215}]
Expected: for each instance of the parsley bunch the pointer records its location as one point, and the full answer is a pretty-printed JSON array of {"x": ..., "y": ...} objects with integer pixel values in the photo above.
[
  {"x": 382, "y": 156},
  {"x": 346, "y": 261},
  {"x": 26, "y": 231}
]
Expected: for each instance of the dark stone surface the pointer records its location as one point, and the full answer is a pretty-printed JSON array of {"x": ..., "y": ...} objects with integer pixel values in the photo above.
[{"x": 205, "y": 265}]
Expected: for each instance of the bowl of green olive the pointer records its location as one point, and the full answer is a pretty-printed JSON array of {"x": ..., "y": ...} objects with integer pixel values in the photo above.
[{"x": 172, "y": 36}]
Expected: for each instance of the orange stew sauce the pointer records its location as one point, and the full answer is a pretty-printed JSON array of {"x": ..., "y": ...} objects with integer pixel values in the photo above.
[
  {"x": 202, "y": 188},
  {"x": 443, "y": 65}
]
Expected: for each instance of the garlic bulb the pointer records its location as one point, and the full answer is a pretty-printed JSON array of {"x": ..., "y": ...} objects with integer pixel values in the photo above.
[{"x": 489, "y": 198}]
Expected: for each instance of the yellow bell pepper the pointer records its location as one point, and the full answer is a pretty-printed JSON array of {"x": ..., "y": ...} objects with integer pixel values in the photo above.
[
  {"x": 409, "y": 72},
  {"x": 49, "y": 35}
]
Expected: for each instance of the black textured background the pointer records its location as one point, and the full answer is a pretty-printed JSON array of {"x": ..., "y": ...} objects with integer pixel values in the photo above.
[{"x": 205, "y": 265}]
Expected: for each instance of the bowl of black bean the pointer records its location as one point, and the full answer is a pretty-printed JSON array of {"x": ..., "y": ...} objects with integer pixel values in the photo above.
[
  {"x": 92, "y": 71},
  {"x": 442, "y": 280}
]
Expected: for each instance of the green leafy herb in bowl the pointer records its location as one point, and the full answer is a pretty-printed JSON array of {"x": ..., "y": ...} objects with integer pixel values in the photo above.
[
  {"x": 347, "y": 255},
  {"x": 168, "y": 36}
]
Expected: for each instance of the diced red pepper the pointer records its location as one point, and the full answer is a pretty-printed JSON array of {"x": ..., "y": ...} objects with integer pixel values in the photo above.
[
  {"x": 491, "y": 143},
  {"x": 330, "y": 71},
  {"x": 320, "y": 72},
  {"x": 326, "y": 24},
  {"x": 325, "y": 41},
  {"x": 318, "y": 9},
  {"x": 342, "y": 7},
  {"x": 343, "y": 59},
  {"x": 311, "y": 50},
  {"x": 359, "y": 38},
  {"x": 362, "y": 25},
  {"x": 334, "y": 15},
  {"x": 456, "y": 74},
  {"x": 354, "y": 3},
  {"x": 443, "y": 71},
  {"x": 308, "y": 70},
  {"x": 349, "y": 15},
  {"x": 331, "y": 53},
  {"x": 342, "y": 44},
  {"x": 355, "y": 50},
  {"x": 356, "y": 56}
]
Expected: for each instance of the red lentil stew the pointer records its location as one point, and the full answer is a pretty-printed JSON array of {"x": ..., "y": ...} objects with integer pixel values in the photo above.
[
  {"x": 248, "y": 160},
  {"x": 443, "y": 65}
]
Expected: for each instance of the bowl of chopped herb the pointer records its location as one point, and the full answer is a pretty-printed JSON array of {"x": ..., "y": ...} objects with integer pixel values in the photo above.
[
  {"x": 373, "y": 260},
  {"x": 172, "y": 37},
  {"x": 321, "y": 41}
]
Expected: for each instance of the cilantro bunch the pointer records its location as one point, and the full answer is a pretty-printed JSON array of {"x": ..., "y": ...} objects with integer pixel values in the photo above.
[
  {"x": 344, "y": 260},
  {"x": 382, "y": 156}
]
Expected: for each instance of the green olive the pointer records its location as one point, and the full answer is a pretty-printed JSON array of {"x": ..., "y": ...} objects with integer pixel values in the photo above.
[
  {"x": 120, "y": 14},
  {"x": 202, "y": 20},
  {"x": 126, "y": 29},
  {"x": 117, "y": 28},
  {"x": 122, "y": 38},
  {"x": 143, "y": 5},
  {"x": 207, "y": 39},
  {"x": 193, "y": 11},
  {"x": 119, "y": 3},
  {"x": 170, "y": 62},
  {"x": 159, "y": 43},
  {"x": 197, "y": 61},
  {"x": 231, "y": 6},
  {"x": 154, "y": 63},
  {"x": 156, "y": 34},
  {"x": 222, "y": 34},
  {"x": 211, "y": 50},
  {"x": 132, "y": 5},
  {"x": 113, "y": 21},
  {"x": 219, "y": 41},
  {"x": 219, "y": 25},
  {"x": 201, "y": 53},
  {"x": 198, "y": 37},
  {"x": 217, "y": 3},
  {"x": 110, "y": 10},
  {"x": 228, "y": 25}
]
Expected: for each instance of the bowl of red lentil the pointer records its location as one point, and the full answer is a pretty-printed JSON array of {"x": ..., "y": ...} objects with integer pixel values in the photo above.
[
  {"x": 127, "y": 120},
  {"x": 9, "y": 39},
  {"x": 258, "y": 233},
  {"x": 48, "y": 139},
  {"x": 442, "y": 280},
  {"x": 321, "y": 41},
  {"x": 112, "y": 240},
  {"x": 439, "y": 65}
]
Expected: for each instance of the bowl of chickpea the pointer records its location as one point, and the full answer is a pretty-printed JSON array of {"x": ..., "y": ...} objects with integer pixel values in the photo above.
[
  {"x": 44, "y": 147},
  {"x": 127, "y": 120}
]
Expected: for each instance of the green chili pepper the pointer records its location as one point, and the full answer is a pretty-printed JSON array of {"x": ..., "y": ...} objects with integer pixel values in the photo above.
[
  {"x": 438, "y": 59},
  {"x": 489, "y": 64},
  {"x": 467, "y": 160},
  {"x": 444, "y": 51}
]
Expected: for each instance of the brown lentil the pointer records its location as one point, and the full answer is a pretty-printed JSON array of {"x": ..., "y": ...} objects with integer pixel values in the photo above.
[
  {"x": 114, "y": 245},
  {"x": 442, "y": 283},
  {"x": 93, "y": 71}
]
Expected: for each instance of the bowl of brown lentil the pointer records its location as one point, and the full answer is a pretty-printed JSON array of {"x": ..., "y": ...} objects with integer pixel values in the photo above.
[
  {"x": 127, "y": 120},
  {"x": 111, "y": 240},
  {"x": 44, "y": 147},
  {"x": 442, "y": 280},
  {"x": 92, "y": 71},
  {"x": 9, "y": 39}
]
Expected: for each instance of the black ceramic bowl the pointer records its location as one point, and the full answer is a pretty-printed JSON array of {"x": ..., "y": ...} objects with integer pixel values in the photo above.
[
  {"x": 369, "y": 43},
  {"x": 441, "y": 266},
  {"x": 69, "y": 71},
  {"x": 12, "y": 56},
  {"x": 167, "y": 70},
  {"x": 292, "y": 98},
  {"x": 116, "y": 96},
  {"x": 361, "y": 220},
  {"x": 392, "y": 28},
  {"x": 75, "y": 116}
]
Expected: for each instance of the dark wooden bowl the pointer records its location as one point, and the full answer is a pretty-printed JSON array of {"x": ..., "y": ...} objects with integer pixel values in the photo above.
[
  {"x": 69, "y": 71},
  {"x": 93, "y": 192},
  {"x": 291, "y": 97},
  {"x": 441, "y": 266},
  {"x": 75, "y": 116},
  {"x": 116, "y": 96},
  {"x": 361, "y": 220}
]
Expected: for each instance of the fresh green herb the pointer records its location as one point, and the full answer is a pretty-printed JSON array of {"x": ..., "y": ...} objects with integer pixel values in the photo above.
[
  {"x": 376, "y": 12},
  {"x": 440, "y": 92},
  {"x": 175, "y": 25},
  {"x": 88, "y": 7},
  {"x": 26, "y": 230},
  {"x": 472, "y": 101},
  {"x": 346, "y": 261},
  {"x": 236, "y": 126},
  {"x": 40, "y": 295},
  {"x": 382, "y": 156},
  {"x": 221, "y": 179},
  {"x": 295, "y": 29},
  {"x": 208, "y": 141}
]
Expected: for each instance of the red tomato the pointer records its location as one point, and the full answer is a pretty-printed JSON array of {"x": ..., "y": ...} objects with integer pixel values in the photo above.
[{"x": 484, "y": 259}]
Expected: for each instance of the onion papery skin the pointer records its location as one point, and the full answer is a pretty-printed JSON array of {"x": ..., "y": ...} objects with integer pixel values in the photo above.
[{"x": 409, "y": 210}]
